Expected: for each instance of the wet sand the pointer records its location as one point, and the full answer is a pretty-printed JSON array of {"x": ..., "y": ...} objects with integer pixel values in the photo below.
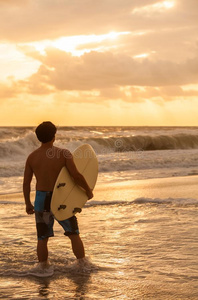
[{"x": 175, "y": 187}]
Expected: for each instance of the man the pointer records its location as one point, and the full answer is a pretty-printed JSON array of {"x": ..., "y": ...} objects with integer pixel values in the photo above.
[{"x": 46, "y": 168}]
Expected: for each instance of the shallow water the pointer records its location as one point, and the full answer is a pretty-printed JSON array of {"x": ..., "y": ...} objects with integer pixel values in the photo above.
[{"x": 146, "y": 249}]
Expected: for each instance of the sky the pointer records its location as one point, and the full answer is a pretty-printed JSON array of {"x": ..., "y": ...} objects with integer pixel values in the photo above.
[{"x": 107, "y": 62}]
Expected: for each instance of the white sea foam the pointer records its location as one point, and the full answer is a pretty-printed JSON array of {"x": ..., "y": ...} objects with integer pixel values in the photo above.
[
  {"x": 141, "y": 200},
  {"x": 167, "y": 201},
  {"x": 139, "y": 152}
]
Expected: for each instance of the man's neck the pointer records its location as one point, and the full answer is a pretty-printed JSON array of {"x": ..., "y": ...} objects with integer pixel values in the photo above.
[{"x": 47, "y": 145}]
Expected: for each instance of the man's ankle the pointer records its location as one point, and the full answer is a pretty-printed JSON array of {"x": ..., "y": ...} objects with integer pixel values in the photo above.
[{"x": 44, "y": 263}]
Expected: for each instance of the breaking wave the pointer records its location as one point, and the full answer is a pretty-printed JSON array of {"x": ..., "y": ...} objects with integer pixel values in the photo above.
[
  {"x": 145, "y": 143},
  {"x": 21, "y": 146}
]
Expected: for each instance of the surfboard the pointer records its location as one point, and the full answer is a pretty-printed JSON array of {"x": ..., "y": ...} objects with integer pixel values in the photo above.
[{"x": 68, "y": 198}]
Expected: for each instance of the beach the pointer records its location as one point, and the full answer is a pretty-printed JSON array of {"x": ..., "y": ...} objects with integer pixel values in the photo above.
[
  {"x": 139, "y": 230},
  {"x": 138, "y": 246}
]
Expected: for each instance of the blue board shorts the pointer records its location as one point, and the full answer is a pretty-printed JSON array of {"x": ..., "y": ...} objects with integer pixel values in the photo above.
[{"x": 45, "y": 218}]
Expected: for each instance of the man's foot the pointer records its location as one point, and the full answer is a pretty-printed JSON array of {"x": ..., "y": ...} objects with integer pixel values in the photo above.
[
  {"x": 82, "y": 265},
  {"x": 42, "y": 270}
]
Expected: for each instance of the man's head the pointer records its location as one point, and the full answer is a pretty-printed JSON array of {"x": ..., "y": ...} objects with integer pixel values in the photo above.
[{"x": 45, "y": 132}]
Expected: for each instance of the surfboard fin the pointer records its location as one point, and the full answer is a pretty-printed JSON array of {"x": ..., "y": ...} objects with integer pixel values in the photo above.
[
  {"x": 61, "y": 184},
  {"x": 62, "y": 207},
  {"x": 77, "y": 210}
]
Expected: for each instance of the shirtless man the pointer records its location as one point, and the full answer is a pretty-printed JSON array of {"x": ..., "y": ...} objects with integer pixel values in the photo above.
[{"x": 45, "y": 163}]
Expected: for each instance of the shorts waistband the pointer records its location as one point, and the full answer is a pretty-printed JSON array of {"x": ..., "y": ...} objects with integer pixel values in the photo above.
[{"x": 47, "y": 192}]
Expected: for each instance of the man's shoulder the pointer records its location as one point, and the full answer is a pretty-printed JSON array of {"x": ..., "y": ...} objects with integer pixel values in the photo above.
[
  {"x": 32, "y": 154},
  {"x": 65, "y": 152}
]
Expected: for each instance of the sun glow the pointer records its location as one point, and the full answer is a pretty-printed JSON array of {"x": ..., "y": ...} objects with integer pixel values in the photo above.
[
  {"x": 159, "y": 6},
  {"x": 143, "y": 55},
  {"x": 168, "y": 4},
  {"x": 190, "y": 87},
  {"x": 74, "y": 44}
]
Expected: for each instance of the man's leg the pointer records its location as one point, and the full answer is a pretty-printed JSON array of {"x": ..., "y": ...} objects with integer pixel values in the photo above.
[
  {"x": 42, "y": 250},
  {"x": 43, "y": 268},
  {"x": 77, "y": 246},
  {"x": 71, "y": 229}
]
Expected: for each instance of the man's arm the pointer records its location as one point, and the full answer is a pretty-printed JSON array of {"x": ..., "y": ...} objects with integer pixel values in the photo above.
[
  {"x": 28, "y": 173},
  {"x": 78, "y": 177}
]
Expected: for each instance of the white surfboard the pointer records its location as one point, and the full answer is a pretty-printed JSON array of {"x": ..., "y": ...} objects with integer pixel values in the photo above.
[{"x": 68, "y": 198}]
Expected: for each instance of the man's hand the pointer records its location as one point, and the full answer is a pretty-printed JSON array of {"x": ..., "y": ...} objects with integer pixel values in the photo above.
[
  {"x": 78, "y": 177},
  {"x": 29, "y": 209},
  {"x": 89, "y": 194}
]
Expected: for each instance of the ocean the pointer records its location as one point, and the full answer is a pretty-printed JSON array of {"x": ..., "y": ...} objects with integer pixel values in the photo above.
[
  {"x": 123, "y": 152},
  {"x": 139, "y": 230}
]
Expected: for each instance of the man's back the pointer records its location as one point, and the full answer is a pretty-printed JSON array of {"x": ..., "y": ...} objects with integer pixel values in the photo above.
[{"x": 46, "y": 164}]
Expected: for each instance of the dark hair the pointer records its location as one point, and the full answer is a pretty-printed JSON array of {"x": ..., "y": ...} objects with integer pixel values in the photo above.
[{"x": 45, "y": 132}]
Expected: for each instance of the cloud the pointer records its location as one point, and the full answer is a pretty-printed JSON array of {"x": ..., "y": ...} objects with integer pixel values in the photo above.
[
  {"x": 48, "y": 19},
  {"x": 101, "y": 76},
  {"x": 177, "y": 91},
  {"x": 96, "y": 70},
  {"x": 13, "y": 2},
  {"x": 173, "y": 44},
  {"x": 167, "y": 33},
  {"x": 9, "y": 90},
  {"x": 157, "y": 94}
]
